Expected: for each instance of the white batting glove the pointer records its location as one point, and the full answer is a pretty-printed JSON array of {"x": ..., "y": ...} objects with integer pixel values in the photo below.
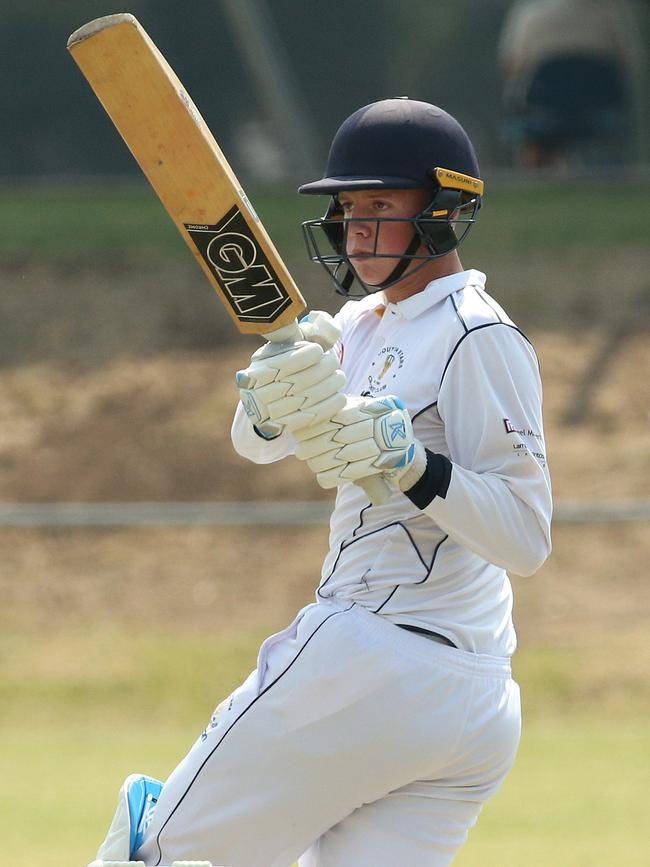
[
  {"x": 294, "y": 385},
  {"x": 368, "y": 436},
  {"x": 319, "y": 327}
]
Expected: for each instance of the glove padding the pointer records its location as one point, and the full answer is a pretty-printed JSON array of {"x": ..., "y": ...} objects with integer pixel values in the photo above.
[
  {"x": 368, "y": 436},
  {"x": 294, "y": 385}
]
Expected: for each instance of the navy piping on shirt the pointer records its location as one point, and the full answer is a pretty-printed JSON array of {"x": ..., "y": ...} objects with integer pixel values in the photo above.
[
  {"x": 345, "y": 545},
  {"x": 463, "y": 323},
  {"x": 414, "y": 584},
  {"x": 471, "y": 331}
]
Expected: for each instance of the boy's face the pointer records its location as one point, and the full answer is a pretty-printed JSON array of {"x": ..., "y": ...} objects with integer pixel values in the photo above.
[{"x": 367, "y": 238}]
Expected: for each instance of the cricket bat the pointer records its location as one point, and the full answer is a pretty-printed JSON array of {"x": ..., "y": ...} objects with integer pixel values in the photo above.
[{"x": 173, "y": 146}]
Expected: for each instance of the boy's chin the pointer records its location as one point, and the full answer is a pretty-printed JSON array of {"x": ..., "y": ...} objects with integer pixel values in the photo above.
[{"x": 372, "y": 276}]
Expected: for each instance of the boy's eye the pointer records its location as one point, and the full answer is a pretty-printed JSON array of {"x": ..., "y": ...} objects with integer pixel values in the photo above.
[{"x": 360, "y": 209}]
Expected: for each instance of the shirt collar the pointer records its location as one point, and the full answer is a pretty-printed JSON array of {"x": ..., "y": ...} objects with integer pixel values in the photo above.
[{"x": 435, "y": 291}]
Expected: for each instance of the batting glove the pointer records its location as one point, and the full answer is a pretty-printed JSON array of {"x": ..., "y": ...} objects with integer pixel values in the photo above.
[
  {"x": 368, "y": 436},
  {"x": 294, "y": 385}
]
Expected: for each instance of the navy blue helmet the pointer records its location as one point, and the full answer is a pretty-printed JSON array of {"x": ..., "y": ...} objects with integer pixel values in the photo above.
[{"x": 397, "y": 144}]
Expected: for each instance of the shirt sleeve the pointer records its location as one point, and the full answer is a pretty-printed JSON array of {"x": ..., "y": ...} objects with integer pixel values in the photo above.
[{"x": 498, "y": 503}]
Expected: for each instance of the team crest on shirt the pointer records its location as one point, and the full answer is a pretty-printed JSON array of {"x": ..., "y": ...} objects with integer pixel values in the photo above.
[{"x": 384, "y": 369}]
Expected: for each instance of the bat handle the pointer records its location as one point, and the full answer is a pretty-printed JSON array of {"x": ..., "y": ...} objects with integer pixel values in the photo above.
[
  {"x": 377, "y": 489},
  {"x": 287, "y": 334}
]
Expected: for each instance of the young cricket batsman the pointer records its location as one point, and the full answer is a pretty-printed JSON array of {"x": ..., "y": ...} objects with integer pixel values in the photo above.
[{"x": 378, "y": 723}]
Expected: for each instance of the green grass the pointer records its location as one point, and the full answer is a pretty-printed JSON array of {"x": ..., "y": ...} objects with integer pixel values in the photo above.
[
  {"x": 110, "y": 674},
  {"x": 59, "y": 784},
  {"x": 560, "y": 216},
  {"x": 107, "y": 261},
  {"x": 576, "y": 797},
  {"x": 54, "y": 224},
  {"x": 85, "y": 221},
  {"x": 81, "y": 710}
]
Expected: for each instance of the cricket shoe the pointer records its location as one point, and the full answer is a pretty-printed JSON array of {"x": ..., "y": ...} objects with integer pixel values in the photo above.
[{"x": 136, "y": 805}]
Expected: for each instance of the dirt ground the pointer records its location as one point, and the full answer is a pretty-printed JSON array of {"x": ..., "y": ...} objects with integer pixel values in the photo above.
[
  {"x": 157, "y": 429},
  {"x": 233, "y": 578}
]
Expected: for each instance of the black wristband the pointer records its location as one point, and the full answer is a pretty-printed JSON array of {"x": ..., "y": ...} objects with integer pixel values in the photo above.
[{"x": 434, "y": 482}]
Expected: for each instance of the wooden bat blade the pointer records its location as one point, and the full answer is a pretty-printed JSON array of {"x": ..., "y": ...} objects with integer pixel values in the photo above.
[
  {"x": 184, "y": 164},
  {"x": 177, "y": 152}
]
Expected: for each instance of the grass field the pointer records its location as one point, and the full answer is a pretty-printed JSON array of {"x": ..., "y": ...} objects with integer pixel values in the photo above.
[
  {"x": 115, "y": 646},
  {"x": 91, "y": 273},
  {"x": 64, "y": 221},
  {"x": 576, "y": 798},
  {"x": 115, "y": 382},
  {"x": 89, "y": 709},
  {"x": 551, "y": 810}
]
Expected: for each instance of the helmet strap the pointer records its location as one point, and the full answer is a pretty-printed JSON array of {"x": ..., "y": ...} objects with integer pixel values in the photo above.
[{"x": 398, "y": 271}]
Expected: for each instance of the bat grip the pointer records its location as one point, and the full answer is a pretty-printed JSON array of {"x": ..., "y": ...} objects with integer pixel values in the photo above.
[
  {"x": 287, "y": 334},
  {"x": 377, "y": 489}
]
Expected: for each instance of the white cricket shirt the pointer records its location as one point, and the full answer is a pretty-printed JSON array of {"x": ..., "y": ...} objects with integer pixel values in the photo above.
[{"x": 470, "y": 380}]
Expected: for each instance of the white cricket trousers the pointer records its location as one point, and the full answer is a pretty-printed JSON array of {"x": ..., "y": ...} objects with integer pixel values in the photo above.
[{"x": 353, "y": 744}]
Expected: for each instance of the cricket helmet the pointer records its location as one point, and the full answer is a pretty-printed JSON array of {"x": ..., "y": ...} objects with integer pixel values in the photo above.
[{"x": 397, "y": 144}]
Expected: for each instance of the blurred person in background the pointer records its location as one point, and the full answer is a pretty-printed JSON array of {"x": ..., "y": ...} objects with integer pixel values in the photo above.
[{"x": 569, "y": 69}]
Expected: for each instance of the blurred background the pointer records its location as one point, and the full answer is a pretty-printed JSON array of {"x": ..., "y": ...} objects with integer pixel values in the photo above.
[{"x": 132, "y": 609}]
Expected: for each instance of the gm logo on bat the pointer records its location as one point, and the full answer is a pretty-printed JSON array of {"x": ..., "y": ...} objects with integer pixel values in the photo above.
[{"x": 231, "y": 252}]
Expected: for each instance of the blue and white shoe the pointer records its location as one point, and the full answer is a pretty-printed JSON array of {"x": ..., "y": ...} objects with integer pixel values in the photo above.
[
  {"x": 135, "y": 808},
  {"x": 142, "y": 795}
]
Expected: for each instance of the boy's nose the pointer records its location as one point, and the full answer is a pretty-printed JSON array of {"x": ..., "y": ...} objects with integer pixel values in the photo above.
[{"x": 361, "y": 227}]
